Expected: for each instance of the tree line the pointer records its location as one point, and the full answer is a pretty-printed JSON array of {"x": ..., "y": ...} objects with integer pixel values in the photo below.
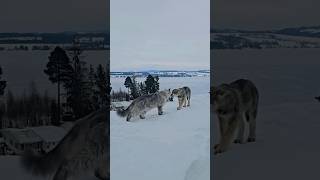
[
  {"x": 136, "y": 89},
  {"x": 81, "y": 89}
]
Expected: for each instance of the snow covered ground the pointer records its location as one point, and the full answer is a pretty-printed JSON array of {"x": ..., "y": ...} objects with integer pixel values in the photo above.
[
  {"x": 288, "y": 124},
  {"x": 10, "y": 169},
  {"x": 174, "y": 146}
]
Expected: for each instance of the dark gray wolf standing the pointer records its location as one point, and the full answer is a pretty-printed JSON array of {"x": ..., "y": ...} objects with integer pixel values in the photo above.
[
  {"x": 184, "y": 95},
  {"x": 84, "y": 149},
  {"x": 234, "y": 104},
  {"x": 141, "y": 105}
]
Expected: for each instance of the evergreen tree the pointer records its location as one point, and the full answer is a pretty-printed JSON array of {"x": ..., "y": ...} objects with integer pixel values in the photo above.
[
  {"x": 59, "y": 70},
  {"x": 143, "y": 88},
  {"x": 134, "y": 88},
  {"x": 102, "y": 85},
  {"x": 152, "y": 84},
  {"x": 128, "y": 83},
  {"x": 3, "y": 83},
  {"x": 78, "y": 90}
]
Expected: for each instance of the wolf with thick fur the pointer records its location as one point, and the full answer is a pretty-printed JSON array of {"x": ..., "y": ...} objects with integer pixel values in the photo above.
[
  {"x": 235, "y": 104},
  {"x": 141, "y": 105},
  {"x": 184, "y": 95},
  {"x": 84, "y": 149}
]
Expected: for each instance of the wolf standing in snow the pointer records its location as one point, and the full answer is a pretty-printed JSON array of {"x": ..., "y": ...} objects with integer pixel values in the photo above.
[
  {"x": 234, "y": 104},
  {"x": 84, "y": 149},
  {"x": 184, "y": 95},
  {"x": 141, "y": 105}
]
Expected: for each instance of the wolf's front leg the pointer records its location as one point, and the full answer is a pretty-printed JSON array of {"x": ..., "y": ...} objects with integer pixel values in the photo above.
[
  {"x": 180, "y": 103},
  {"x": 160, "y": 112},
  {"x": 240, "y": 136},
  {"x": 227, "y": 136}
]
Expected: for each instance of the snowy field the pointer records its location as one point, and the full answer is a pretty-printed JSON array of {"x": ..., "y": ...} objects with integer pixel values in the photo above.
[
  {"x": 10, "y": 169},
  {"x": 174, "y": 146},
  {"x": 288, "y": 123}
]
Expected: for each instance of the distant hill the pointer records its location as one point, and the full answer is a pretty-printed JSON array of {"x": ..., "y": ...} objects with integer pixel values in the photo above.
[
  {"x": 300, "y": 37},
  {"x": 162, "y": 73},
  {"x": 53, "y": 38}
]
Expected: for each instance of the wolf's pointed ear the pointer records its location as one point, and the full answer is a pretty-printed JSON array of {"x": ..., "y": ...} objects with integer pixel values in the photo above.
[{"x": 169, "y": 90}]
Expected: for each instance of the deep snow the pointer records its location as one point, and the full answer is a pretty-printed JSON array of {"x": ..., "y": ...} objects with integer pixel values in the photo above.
[{"x": 172, "y": 146}]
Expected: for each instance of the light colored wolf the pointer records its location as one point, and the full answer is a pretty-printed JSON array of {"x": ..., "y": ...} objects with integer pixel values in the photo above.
[
  {"x": 141, "y": 105},
  {"x": 234, "y": 104},
  {"x": 84, "y": 149},
  {"x": 184, "y": 95}
]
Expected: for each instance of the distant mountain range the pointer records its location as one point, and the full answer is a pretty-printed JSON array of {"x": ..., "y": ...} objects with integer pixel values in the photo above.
[
  {"x": 300, "y": 37},
  {"x": 46, "y": 41},
  {"x": 53, "y": 38},
  {"x": 162, "y": 73}
]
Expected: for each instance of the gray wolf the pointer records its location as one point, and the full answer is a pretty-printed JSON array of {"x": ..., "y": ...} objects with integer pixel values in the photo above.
[
  {"x": 84, "y": 149},
  {"x": 141, "y": 105},
  {"x": 234, "y": 104},
  {"x": 184, "y": 95}
]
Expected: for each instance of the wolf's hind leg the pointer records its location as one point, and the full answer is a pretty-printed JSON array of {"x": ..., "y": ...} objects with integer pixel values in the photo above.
[
  {"x": 252, "y": 130},
  {"x": 129, "y": 117},
  {"x": 188, "y": 101},
  {"x": 185, "y": 101},
  {"x": 252, "y": 126},
  {"x": 160, "y": 112},
  {"x": 62, "y": 173}
]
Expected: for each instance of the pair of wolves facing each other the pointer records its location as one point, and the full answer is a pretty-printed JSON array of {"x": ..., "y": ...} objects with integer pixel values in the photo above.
[
  {"x": 141, "y": 105},
  {"x": 234, "y": 104},
  {"x": 84, "y": 149},
  {"x": 184, "y": 95}
]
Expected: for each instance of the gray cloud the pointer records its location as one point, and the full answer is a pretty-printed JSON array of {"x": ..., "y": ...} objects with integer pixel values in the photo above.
[
  {"x": 53, "y": 15},
  {"x": 264, "y": 14}
]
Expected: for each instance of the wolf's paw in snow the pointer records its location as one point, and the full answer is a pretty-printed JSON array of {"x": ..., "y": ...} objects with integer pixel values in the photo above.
[
  {"x": 238, "y": 141},
  {"x": 251, "y": 139},
  {"x": 219, "y": 149},
  {"x": 178, "y": 108}
]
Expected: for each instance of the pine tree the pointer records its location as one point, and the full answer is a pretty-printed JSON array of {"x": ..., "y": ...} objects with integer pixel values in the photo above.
[
  {"x": 3, "y": 83},
  {"x": 59, "y": 70},
  {"x": 152, "y": 84},
  {"x": 128, "y": 83},
  {"x": 102, "y": 85}
]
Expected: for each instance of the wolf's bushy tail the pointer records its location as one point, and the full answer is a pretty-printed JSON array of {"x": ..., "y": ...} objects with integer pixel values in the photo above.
[
  {"x": 123, "y": 112},
  {"x": 40, "y": 164}
]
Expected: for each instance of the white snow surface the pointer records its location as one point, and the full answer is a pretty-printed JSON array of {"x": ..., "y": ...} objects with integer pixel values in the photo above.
[
  {"x": 11, "y": 169},
  {"x": 287, "y": 145},
  {"x": 173, "y": 146}
]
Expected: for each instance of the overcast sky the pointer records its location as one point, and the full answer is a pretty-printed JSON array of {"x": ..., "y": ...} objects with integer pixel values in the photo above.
[
  {"x": 264, "y": 14},
  {"x": 53, "y": 15},
  {"x": 159, "y": 34}
]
